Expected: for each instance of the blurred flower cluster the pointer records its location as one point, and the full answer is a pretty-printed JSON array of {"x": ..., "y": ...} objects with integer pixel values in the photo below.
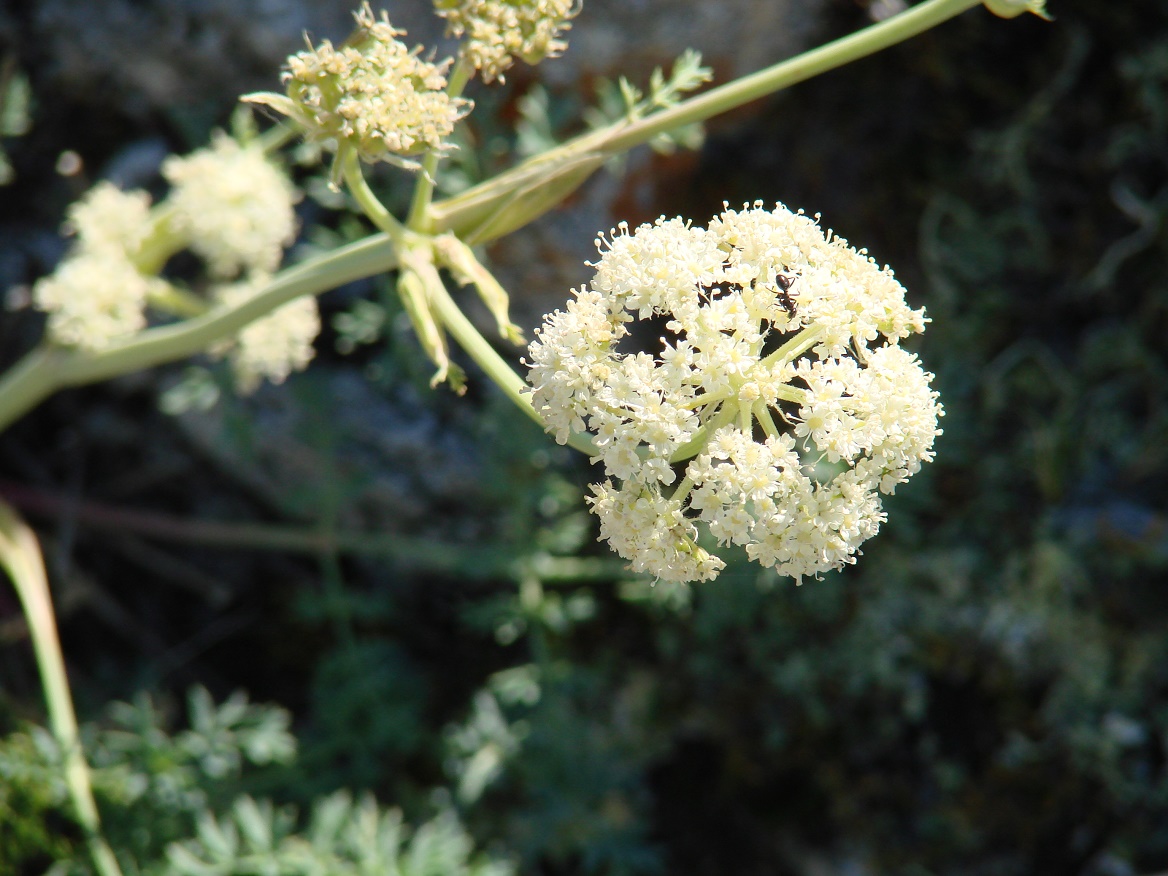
[
  {"x": 230, "y": 205},
  {"x": 496, "y": 30}
]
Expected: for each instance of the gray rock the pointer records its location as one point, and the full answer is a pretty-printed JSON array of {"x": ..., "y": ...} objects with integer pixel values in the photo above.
[{"x": 146, "y": 55}]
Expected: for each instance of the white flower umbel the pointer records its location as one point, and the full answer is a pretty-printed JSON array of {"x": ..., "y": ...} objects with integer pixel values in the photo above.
[
  {"x": 97, "y": 295},
  {"x": 108, "y": 219},
  {"x": 232, "y": 205},
  {"x": 496, "y": 31},
  {"x": 94, "y": 298},
  {"x": 774, "y": 407},
  {"x": 373, "y": 95},
  {"x": 275, "y": 345}
]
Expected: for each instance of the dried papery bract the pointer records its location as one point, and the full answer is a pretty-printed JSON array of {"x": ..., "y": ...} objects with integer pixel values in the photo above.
[
  {"x": 495, "y": 32},
  {"x": 777, "y": 410},
  {"x": 371, "y": 95}
]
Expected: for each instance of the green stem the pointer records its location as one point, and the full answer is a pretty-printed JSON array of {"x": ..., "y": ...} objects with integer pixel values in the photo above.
[
  {"x": 763, "y": 415},
  {"x": 278, "y": 136},
  {"x": 799, "y": 344},
  {"x": 46, "y": 368},
  {"x": 744, "y": 421},
  {"x": 20, "y": 557},
  {"x": 467, "y": 209},
  {"x": 493, "y": 364},
  {"x": 424, "y": 188},
  {"x": 683, "y": 490},
  {"x": 162, "y": 242},
  {"x": 725, "y": 414},
  {"x": 176, "y": 302},
  {"x": 369, "y": 203},
  {"x": 845, "y": 50}
]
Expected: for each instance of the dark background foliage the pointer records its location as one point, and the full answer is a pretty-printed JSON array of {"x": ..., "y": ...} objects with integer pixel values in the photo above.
[{"x": 985, "y": 692}]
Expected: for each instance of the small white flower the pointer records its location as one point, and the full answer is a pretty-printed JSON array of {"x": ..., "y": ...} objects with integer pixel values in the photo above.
[
  {"x": 776, "y": 329},
  {"x": 233, "y": 206},
  {"x": 274, "y": 345}
]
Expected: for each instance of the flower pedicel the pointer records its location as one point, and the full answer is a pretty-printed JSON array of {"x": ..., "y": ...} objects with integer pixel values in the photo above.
[{"x": 776, "y": 411}]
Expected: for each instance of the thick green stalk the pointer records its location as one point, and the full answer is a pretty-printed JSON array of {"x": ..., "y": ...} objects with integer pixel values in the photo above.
[
  {"x": 467, "y": 210},
  {"x": 492, "y": 363},
  {"x": 47, "y": 368},
  {"x": 20, "y": 556}
]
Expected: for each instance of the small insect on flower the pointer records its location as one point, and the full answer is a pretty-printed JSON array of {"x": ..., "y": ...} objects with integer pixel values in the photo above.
[{"x": 784, "y": 297}]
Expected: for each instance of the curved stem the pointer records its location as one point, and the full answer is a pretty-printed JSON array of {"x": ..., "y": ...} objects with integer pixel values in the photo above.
[
  {"x": 493, "y": 364},
  {"x": 469, "y": 208},
  {"x": 369, "y": 203},
  {"x": 46, "y": 368}
]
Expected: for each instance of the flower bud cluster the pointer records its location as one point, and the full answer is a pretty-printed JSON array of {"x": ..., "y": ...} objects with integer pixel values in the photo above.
[
  {"x": 372, "y": 94},
  {"x": 496, "y": 30},
  {"x": 775, "y": 409}
]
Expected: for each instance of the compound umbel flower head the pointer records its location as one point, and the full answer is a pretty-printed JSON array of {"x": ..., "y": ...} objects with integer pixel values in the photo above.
[
  {"x": 775, "y": 411},
  {"x": 372, "y": 95},
  {"x": 494, "y": 31}
]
